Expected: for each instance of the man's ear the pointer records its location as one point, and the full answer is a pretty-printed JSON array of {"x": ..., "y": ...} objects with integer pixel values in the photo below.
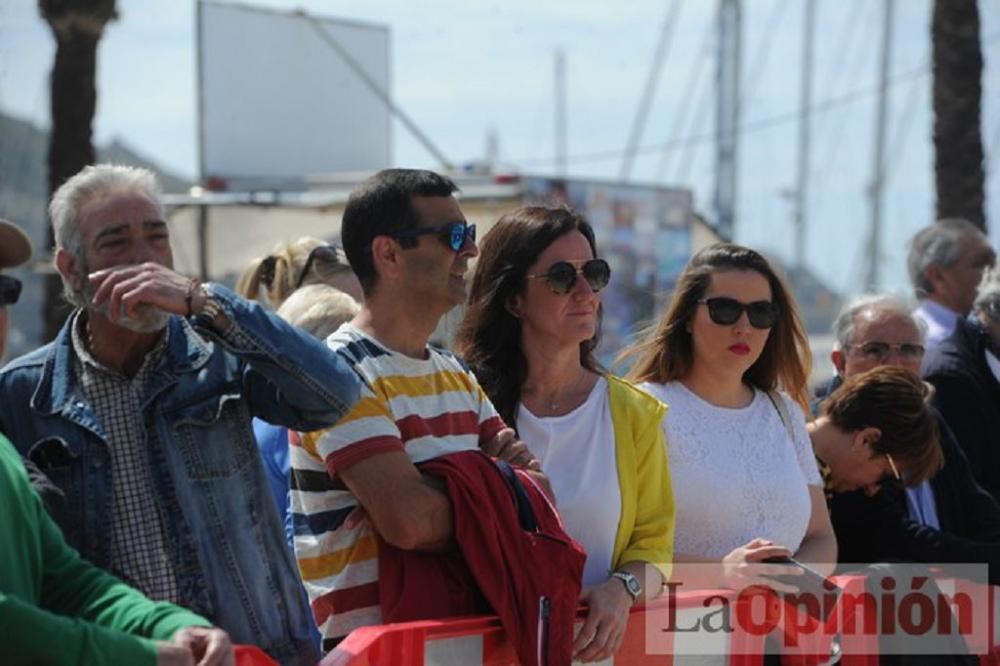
[
  {"x": 66, "y": 264},
  {"x": 867, "y": 436},
  {"x": 839, "y": 361},
  {"x": 934, "y": 275},
  {"x": 386, "y": 256}
]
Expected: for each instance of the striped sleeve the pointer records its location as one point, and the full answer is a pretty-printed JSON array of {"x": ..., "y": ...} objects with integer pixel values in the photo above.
[
  {"x": 367, "y": 430},
  {"x": 490, "y": 422}
]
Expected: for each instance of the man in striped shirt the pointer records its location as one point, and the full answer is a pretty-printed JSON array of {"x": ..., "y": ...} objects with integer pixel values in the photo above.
[{"x": 409, "y": 244}]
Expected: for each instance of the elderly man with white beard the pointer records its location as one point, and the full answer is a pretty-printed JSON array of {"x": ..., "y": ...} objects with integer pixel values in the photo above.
[{"x": 140, "y": 412}]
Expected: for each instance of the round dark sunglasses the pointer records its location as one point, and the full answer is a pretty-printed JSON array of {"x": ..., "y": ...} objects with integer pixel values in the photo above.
[
  {"x": 454, "y": 233},
  {"x": 727, "y": 311},
  {"x": 561, "y": 275},
  {"x": 327, "y": 253}
]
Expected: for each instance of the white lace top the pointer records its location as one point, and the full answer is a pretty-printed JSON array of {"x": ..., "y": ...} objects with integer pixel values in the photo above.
[{"x": 736, "y": 476}]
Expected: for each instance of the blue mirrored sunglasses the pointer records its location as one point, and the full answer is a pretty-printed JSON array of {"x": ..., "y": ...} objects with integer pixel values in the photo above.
[{"x": 456, "y": 233}]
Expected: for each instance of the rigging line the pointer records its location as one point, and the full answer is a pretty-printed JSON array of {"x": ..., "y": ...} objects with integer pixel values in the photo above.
[
  {"x": 829, "y": 104},
  {"x": 763, "y": 52},
  {"x": 695, "y": 77},
  {"x": 836, "y": 71},
  {"x": 700, "y": 120},
  {"x": 376, "y": 89},
  {"x": 642, "y": 112},
  {"x": 898, "y": 144},
  {"x": 768, "y": 122},
  {"x": 836, "y": 136}
]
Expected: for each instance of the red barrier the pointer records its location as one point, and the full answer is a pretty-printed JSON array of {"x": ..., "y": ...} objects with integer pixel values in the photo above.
[
  {"x": 481, "y": 640},
  {"x": 251, "y": 655}
]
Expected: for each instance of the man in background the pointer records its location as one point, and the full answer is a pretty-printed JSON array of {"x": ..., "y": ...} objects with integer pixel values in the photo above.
[{"x": 946, "y": 263}]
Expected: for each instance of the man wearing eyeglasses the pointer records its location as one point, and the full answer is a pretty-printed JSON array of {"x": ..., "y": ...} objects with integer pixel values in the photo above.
[
  {"x": 15, "y": 249},
  {"x": 949, "y": 519}
]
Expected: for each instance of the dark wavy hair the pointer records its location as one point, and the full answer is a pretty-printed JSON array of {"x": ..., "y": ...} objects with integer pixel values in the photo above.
[
  {"x": 666, "y": 352},
  {"x": 895, "y": 401},
  {"x": 489, "y": 337}
]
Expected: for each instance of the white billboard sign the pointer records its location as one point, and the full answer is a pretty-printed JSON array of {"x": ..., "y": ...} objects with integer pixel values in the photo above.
[{"x": 280, "y": 97}]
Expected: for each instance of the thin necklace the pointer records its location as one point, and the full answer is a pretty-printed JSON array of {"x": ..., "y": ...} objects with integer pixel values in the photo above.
[{"x": 554, "y": 406}]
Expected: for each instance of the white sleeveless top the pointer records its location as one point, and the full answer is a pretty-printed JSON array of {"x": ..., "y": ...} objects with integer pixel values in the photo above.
[
  {"x": 577, "y": 452},
  {"x": 736, "y": 476}
]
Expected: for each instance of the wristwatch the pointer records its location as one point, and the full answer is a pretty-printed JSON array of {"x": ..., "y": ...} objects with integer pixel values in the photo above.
[
  {"x": 632, "y": 585},
  {"x": 212, "y": 314}
]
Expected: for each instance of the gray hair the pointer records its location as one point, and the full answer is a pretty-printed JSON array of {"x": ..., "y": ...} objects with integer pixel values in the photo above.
[
  {"x": 64, "y": 210},
  {"x": 938, "y": 244},
  {"x": 843, "y": 325},
  {"x": 318, "y": 309},
  {"x": 988, "y": 298},
  {"x": 93, "y": 181}
]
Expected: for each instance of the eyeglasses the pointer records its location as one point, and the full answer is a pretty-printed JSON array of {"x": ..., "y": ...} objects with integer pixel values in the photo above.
[
  {"x": 726, "y": 311},
  {"x": 561, "y": 276},
  {"x": 892, "y": 466},
  {"x": 327, "y": 253},
  {"x": 455, "y": 233},
  {"x": 10, "y": 290},
  {"x": 879, "y": 351}
]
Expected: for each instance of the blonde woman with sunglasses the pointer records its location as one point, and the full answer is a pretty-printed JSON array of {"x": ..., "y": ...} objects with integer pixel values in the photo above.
[
  {"x": 746, "y": 483},
  {"x": 529, "y": 333},
  {"x": 294, "y": 265}
]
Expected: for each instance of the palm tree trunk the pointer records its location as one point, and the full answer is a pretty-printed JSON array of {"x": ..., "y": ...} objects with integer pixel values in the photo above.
[
  {"x": 958, "y": 145},
  {"x": 77, "y": 26}
]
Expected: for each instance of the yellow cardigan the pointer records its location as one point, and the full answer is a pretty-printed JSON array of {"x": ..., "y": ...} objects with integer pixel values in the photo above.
[{"x": 646, "y": 527}]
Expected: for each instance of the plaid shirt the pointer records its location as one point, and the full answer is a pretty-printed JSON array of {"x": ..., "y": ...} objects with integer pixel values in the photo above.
[{"x": 139, "y": 545}]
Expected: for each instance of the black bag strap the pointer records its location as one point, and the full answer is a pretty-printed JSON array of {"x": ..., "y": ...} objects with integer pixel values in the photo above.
[
  {"x": 779, "y": 405},
  {"x": 525, "y": 513}
]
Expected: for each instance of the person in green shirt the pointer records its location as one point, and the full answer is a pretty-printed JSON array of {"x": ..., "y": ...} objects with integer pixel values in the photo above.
[{"x": 56, "y": 608}]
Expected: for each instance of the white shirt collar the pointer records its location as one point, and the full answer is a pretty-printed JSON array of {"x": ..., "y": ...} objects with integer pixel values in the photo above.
[{"x": 942, "y": 315}]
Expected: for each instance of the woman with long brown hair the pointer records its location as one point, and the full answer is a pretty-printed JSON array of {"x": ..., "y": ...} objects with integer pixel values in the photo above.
[
  {"x": 529, "y": 333},
  {"x": 731, "y": 358}
]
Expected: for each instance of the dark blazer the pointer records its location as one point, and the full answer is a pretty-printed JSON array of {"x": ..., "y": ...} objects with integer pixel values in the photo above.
[
  {"x": 968, "y": 396},
  {"x": 879, "y": 529}
]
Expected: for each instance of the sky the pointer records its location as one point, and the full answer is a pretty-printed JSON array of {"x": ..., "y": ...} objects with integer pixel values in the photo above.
[{"x": 463, "y": 69}]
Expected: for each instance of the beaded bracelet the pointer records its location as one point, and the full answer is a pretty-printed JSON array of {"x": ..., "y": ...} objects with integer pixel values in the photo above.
[{"x": 192, "y": 285}]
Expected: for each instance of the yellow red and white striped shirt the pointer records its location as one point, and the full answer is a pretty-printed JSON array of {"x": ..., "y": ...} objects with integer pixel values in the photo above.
[{"x": 424, "y": 407}]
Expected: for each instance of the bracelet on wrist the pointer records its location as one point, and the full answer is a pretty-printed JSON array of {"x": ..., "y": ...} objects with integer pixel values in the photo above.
[{"x": 189, "y": 297}]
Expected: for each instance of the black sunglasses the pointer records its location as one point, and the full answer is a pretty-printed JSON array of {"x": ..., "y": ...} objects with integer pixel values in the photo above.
[
  {"x": 327, "y": 252},
  {"x": 10, "y": 290},
  {"x": 561, "y": 275},
  {"x": 454, "y": 233},
  {"x": 727, "y": 311}
]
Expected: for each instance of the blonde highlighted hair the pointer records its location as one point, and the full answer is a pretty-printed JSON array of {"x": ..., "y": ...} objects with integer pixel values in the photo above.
[{"x": 289, "y": 267}]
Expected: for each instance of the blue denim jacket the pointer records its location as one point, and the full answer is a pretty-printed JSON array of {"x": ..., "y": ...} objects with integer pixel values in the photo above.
[{"x": 226, "y": 539}]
